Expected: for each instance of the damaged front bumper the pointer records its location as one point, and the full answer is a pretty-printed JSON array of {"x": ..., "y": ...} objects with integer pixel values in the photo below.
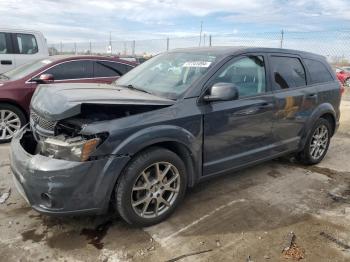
[{"x": 54, "y": 186}]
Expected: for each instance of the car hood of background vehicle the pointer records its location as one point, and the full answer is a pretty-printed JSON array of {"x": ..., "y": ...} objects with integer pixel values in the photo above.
[{"x": 59, "y": 101}]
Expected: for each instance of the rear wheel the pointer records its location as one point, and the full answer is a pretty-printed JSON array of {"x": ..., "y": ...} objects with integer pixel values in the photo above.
[
  {"x": 151, "y": 187},
  {"x": 11, "y": 120},
  {"x": 317, "y": 143}
]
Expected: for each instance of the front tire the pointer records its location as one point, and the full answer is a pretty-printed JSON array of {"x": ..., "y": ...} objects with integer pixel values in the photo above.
[
  {"x": 151, "y": 187},
  {"x": 11, "y": 120},
  {"x": 317, "y": 143}
]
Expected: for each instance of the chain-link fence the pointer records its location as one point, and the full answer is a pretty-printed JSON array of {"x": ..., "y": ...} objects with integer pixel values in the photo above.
[{"x": 335, "y": 45}]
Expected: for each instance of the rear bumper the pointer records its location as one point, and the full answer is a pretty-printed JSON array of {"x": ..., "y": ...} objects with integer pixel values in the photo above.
[{"x": 60, "y": 187}]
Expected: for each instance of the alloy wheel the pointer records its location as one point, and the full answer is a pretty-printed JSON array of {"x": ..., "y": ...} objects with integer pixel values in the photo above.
[
  {"x": 9, "y": 124},
  {"x": 155, "y": 190},
  {"x": 319, "y": 142}
]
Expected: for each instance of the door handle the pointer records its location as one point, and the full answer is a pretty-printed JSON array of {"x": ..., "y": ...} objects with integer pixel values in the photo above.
[
  {"x": 266, "y": 106},
  {"x": 313, "y": 95},
  {"x": 254, "y": 109},
  {"x": 6, "y": 62}
]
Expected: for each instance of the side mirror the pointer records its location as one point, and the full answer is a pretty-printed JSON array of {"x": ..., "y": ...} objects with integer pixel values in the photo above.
[
  {"x": 44, "y": 79},
  {"x": 222, "y": 92}
]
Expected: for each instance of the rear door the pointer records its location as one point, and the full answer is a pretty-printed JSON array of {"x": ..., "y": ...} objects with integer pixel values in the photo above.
[
  {"x": 7, "y": 60},
  {"x": 240, "y": 131},
  {"x": 294, "y": 99}
]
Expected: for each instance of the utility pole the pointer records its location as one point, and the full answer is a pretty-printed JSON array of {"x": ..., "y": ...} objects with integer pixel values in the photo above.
[
  {"x": 204, "y": 36},
  {"x": 167, "y": 43},
  {"x": 200, "y": 34},
  {"x": 90, "y": 48},
  {"x": 75, "y": 48},
  {"x": 60, "y": 48},
  {"x": 210, "y": 40},
  {"x": 110, "y": 42},
  {"x": 282, "y": 38},
  {"x": 133, "y": 47}
]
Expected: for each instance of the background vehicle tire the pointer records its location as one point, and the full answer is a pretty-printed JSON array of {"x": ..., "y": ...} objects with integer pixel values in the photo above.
[
  {"x": 151, "y": 187},
  {"x": 317, "y": 143},
  {"x": 347, "y": 82},
  {"x": 11, "y": 120}
]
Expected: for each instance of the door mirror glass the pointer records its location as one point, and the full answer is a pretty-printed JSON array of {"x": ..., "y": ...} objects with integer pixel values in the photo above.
[
  {"x": 44, "y": 79},
  {"x": 222, "y": 92}
]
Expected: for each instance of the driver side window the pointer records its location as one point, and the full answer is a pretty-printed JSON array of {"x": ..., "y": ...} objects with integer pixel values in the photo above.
[{"x": 246, "y": 73}]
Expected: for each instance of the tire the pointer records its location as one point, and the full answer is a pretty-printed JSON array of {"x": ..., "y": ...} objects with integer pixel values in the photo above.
[
  {"x": 133, "y": 188},
  {"x": 309, "y": 155},
  {"x": 14, "y": 115},
  {"x": 347, "y": 82}
]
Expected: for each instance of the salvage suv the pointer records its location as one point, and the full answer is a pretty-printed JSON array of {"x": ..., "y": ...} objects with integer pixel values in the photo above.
[{"x": 175, "y": 120}]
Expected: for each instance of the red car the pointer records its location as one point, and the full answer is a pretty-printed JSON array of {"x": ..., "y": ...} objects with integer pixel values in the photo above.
[
  {"x": 17, "y": 86},
  {"x": 343, "y": 75}
]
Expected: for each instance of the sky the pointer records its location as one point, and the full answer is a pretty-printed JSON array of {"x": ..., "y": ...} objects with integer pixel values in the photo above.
[{"x": 93, "y": 20}]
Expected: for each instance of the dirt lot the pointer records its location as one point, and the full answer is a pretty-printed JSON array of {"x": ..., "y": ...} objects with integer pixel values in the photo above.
[{"x": 245, "y": 216}]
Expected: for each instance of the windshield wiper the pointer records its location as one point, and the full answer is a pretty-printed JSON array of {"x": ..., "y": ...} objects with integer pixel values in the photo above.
[{"x": 135, "y": 88}]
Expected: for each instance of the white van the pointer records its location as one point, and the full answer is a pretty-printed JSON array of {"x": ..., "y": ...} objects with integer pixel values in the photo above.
[{"x": 18, "y": 47}]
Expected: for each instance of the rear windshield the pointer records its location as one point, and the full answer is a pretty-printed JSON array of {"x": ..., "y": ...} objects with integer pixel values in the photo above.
[{"x": 26, "y": 69}]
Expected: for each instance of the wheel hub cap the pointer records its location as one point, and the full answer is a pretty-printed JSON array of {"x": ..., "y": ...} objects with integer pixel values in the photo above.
[
  {"x": 155, "y": 190},
  {"x": 319, "y": 142},
  {"x": 9, "y": 124}
]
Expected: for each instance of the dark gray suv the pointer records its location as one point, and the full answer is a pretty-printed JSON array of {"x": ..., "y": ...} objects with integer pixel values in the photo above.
[{"x": 175, "y": 120}]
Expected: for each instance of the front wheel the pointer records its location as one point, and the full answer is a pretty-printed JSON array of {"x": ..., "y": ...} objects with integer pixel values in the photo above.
[
  {"x": 151, "y": 187},
  {"x": 11, "y": 120},
  {"x": 317, "y": 143}
]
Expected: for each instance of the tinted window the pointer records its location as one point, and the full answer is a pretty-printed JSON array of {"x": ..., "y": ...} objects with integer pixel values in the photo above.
[
  {"x": 72, "y": 70},
  {"x": 26, "y": 44},
  {"x": 318, "y": 72},
  {"x": 247, "y": 73},
  {"x": 288, "y": 72},
  {"x": 3, "y": 45},
  {"x": 110, "y": 69}
]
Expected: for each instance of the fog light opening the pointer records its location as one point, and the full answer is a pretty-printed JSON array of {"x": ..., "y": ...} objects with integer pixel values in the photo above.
[{"x": 47, "y": 200}]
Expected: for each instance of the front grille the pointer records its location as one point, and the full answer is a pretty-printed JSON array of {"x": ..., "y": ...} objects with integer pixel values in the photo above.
[{"x": 42, "y": 122}]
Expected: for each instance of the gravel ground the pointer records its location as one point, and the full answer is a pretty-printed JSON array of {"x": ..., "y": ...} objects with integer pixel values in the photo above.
[{"x": 246, "y": 216}]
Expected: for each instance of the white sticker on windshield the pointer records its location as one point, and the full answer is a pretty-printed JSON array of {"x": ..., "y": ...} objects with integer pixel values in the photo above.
[
  {"x": 197, "y": 64},
  {"x": 46, "y": 61}
]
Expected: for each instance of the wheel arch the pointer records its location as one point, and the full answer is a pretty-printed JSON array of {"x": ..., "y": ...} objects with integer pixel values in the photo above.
[
  {"x": 325, "y": 111},
  {"x": 14, "y": 103}
]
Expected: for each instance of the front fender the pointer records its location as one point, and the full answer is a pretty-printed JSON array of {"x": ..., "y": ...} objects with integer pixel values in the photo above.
[{"x": 157, "y": 134}]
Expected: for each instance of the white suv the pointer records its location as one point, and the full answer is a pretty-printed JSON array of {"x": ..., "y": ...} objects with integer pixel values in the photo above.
[{"x": 19, "y": 47}]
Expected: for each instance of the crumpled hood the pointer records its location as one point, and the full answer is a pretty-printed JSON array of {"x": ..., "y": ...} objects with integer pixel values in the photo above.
[{"x": 59, "y": 101}]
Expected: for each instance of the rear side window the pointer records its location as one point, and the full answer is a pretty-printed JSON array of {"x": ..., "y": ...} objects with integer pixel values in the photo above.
[
  {"x": 106, "y": 69},
  {"x": 110, "y": 69},
  {"x": 3, "y": 45},
  {"x": 72, "y": 70},
  {"x": 26, "y": 44},
  {"x": 318, "y": 72},
  {"x": 288, "y": 72}
]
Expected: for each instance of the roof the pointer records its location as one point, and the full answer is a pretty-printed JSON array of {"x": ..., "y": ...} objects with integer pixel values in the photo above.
[
  {"x": 56, "y": 58},
  {"x": 229, "y": 50}
]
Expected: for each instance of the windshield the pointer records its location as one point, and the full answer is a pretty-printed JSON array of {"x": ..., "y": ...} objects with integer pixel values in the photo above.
[
  {"x": 26, "y": 69},
  {"x": 169, "y": 74}
]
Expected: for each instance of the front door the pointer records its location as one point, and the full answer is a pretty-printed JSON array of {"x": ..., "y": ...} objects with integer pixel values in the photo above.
[{"x": 239, "y": 132}]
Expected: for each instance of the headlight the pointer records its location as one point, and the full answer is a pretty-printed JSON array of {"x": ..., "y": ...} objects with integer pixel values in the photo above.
[{"x": 74, "y": 149}]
